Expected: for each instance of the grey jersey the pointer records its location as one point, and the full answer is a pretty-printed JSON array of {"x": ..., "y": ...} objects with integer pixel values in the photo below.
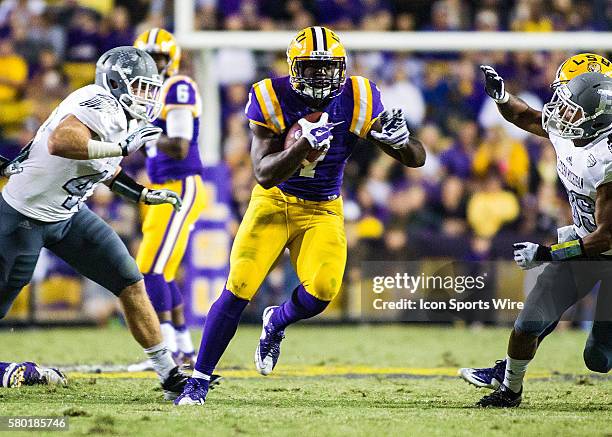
[
  {"x": 52, "y": 188},
  {"x": 582, "y": 170}
]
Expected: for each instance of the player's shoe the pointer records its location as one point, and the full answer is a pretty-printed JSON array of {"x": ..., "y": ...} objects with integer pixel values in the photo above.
[
  {"x": 487, "y": 377},
  {"x": 268, "y": 349},
  {"x": 194, "y": 393},
  {"x": 13, "y": 375},
  {"x": 35, "y": 375},
  {"x": 174, "y": 384},
  {"x": 143, "y": 366},
  {"x": 215, "y": 380},
  {"x": 502, "y": 397}
]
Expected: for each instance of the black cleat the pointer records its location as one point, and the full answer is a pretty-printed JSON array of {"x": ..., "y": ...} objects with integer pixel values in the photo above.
[
  {"x": 215, "y": 380},
  {"x": 174, "y": 384},
  {"x": 503, "y": 397}
]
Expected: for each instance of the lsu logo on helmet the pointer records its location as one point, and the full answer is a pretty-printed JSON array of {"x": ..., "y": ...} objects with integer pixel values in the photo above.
[
  {"x": 317, "y": 63},
  {"x": 160, "y": 41},
  {"x": 581, "y": 63}
]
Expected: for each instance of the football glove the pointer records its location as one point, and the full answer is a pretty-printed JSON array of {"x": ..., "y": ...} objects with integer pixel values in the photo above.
[
  {"x": 318, "y": 134},
  {"x": 9, "y": 168},
  {"x": 394, "y": 131},
  {"x": 139, "y": 138},
  {"x": 159, "y": 197},
  {"x": 529, "y": 255},
  {"x": 494, "y": 85}
]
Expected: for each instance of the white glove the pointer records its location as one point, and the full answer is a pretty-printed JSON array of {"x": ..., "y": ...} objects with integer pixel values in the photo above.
[
  {"x": 394, "y": 131},
  {"x": 525, "y": 255},
  {"x": 139, "y": 138},
  {"x": 318, "y": 134},
  {"x": 566, "y": 233},
  {"x": 159, "y": 197}
]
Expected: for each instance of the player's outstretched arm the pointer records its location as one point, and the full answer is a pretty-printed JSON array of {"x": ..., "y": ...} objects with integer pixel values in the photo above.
[
  {"x": 271, "y": 164},
  {"x": 74, "y": 140},
  {"x": 512, "y": 108},
  {"x": 131, "y": 190},
  {"x": 390, "y": 133}
]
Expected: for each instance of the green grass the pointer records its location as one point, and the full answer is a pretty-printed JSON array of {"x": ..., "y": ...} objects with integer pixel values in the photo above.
[{"x": 570, "y": 402}]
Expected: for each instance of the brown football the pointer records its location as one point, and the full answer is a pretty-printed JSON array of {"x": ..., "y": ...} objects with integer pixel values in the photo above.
[{"x": 295, "y": 132}]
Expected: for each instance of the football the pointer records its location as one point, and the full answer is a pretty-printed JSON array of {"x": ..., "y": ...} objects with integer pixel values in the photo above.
[{"x": 294, "y": 134}]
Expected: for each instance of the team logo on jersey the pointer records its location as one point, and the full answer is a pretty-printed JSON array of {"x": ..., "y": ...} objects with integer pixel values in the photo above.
[
  {"x": 101, "y": 102},
  {"x": 591, "y": 160}
]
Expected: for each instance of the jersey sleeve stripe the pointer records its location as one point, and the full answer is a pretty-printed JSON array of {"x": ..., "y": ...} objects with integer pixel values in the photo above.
[
  {"x": 362, "y": 105},
  {"x": 262, "y": 105},
  {"x": 270, "y": 106},
  {"x": 278, "y": 112}
]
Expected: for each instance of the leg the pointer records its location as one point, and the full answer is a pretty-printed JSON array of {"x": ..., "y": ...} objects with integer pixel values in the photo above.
[
  {"x": 319, "y": 257},
  {"x": 260, "y": 240},
  {"x": 183, "y": 337},
  {"x": 21, "y": 240},
  {"x": 598, "y": 348}
]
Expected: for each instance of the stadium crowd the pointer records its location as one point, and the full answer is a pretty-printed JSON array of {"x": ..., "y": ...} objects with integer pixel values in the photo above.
[{"x": 485, "y": 184}]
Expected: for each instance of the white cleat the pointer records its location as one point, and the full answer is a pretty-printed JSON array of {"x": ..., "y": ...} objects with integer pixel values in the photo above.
[{"x": 268, "y": 349}]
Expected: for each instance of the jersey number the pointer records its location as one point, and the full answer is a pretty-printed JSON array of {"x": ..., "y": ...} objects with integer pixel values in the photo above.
[
  {"x": 583, "y": 211},
  {"x": 78, "y": 188},
  {"x": 182, "y": 93},
  {"x": 308, "y": 171}
]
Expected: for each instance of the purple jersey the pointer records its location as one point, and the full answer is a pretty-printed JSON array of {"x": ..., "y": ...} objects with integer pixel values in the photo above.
[
  {"x": 274, "y": 104},
  {"x": 178, "y": 92}
]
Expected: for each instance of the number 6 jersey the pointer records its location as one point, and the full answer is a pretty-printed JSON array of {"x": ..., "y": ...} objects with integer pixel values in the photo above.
[
  {"x": 582, "y": 170},
  {"x": 52, "y": 188}
]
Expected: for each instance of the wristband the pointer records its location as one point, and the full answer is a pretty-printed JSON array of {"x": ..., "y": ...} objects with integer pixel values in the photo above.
[
  {"x": 569, "y": 249},
  {"x": 101, "y": 149},
  {"x": 504, "y": 99},
  {"x": 127, "y": 187}
]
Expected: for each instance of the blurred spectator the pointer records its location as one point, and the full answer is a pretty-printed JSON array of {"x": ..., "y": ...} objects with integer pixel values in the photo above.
[
  {"x": 24, "y": 10},
  {"x": 457, "y": 160},
  {"x": 118, "y": 30},
  {"x": 491, "y": 207},
  {"x": 399, "y": 92},
  {"x": 13, "y": 81}
]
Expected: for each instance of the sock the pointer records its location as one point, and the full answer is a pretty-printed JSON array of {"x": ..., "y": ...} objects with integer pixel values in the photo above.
[
  {"x": 169, "y": 336},
  {"x": 175, "y": 294},
  {"x": 183, "y": 340},
  {"x": 200, "y": 375},
  {"x": 515, "y": 372},
  {"x": 301, "y": 305},
  {"x": 221, "y": 324},
  {"x": 159, "y": 292},
  {"x": 162, "y": 361}
]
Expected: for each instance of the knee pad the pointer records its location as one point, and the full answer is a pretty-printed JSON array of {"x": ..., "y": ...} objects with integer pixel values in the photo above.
[
  {"x": 324, "y": 285},
  {"x": 241, "y": 282},
  {"x": 597, "y": 358}
]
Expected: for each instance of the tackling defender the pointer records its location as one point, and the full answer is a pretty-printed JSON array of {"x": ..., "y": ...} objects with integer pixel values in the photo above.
[
  {"x": 173, "y": 162},
  {"x": 297, "y": 203},
  {"x": 79, "y": 146},
  {"x": 519, "y": 113},
  {"x": 578, "y": 120}
]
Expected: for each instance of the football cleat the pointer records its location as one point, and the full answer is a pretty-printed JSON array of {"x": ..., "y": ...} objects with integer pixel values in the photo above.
[
  {"x": 35, "y": 375},
  {"x": 13, "y": 376},
  {"x": 487, "y": 377},
  {"x": 503, "y": 397},
  {"x": 194, "y": 393},
  {"x": 268, "y": 349},
  {"x": 143, "y": 366},
  {"x": 215, "y": 380},
  {"x": 174, "y": 384}
]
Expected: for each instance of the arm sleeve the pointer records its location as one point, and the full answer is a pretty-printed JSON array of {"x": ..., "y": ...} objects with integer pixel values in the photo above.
[
  {"x": 179, "y": 123},
  {"x": 98, "y": 113},
  {"x": 263, "y": 107}
]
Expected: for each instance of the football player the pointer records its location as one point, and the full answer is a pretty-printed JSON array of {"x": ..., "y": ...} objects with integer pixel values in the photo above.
[
  {"x": 296, "y": 203},
  {"x": 79, "y": 146},
  {"x": 13, "y": 375},
  {"x": 578, "y": 121},
  {"x": 519, "y": 113},
  {"x": 173, "y": 163}
]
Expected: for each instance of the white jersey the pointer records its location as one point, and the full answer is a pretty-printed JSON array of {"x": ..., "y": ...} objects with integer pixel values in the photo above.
[
  {"x": 582, "y": 170},
  {"x": 52, "y": 188}
]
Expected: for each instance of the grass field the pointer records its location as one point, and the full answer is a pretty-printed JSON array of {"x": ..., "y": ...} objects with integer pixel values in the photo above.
[{"x": 355, "y": 380}]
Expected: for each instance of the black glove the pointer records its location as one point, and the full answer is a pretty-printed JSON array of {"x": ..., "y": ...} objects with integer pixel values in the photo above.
[{"x": 494, "y": 84}]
